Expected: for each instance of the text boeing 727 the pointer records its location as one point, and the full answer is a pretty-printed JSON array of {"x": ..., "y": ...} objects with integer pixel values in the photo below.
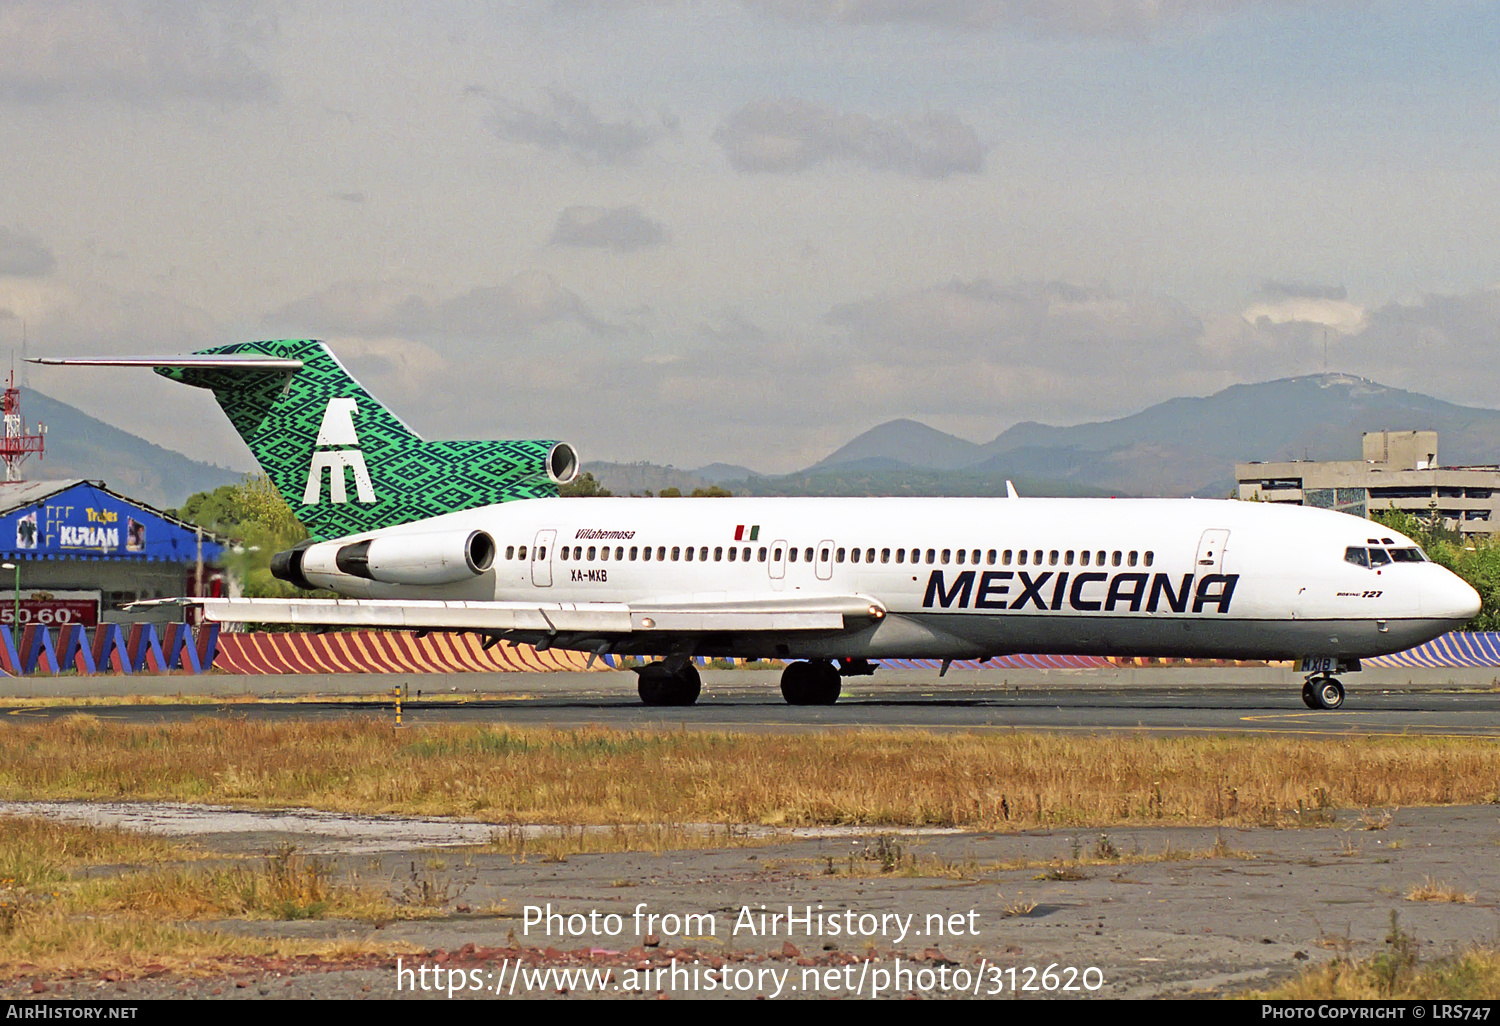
[{"x": 471, "y": 536}]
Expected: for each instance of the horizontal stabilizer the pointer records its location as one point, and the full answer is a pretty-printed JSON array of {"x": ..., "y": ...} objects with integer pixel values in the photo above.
[{"x": 219, "y": 362}]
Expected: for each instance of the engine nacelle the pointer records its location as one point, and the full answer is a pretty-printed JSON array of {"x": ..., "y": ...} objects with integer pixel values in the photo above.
[{"x": 437, "y": 558}]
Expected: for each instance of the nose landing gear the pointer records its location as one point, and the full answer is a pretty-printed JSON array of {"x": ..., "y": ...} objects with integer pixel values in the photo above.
[{"x": 1323, "y": 691}]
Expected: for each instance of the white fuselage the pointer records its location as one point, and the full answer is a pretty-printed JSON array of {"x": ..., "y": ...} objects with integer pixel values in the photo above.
[{"x": 962, "y": 578}]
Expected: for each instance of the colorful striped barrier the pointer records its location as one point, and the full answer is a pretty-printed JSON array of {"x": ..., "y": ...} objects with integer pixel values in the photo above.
[
  {"x": 1461, "y": 648},
  {"x": 152, "y": 648},
  {"x": 116, "y": 648}
]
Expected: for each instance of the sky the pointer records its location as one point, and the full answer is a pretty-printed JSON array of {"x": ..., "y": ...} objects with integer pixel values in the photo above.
[{"x": 744, "y": 231}]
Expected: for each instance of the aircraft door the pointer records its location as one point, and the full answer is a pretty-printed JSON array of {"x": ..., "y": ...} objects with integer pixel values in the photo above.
[
  {"x": 777, "y": 565},
  {"x": 541, "y": 559},
  {"x": 825, "y": 559},
  {"x": 1211, "y": 552}
]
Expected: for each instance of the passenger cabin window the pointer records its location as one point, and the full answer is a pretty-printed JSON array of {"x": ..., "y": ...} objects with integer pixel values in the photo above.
[
  {"x": 853, "y": 555},
  {"x": 1021, "y": 557},
  {"x": 1150, "y": 557},
  {"x": 791, "y": 555},
  {"x": 838, "y": 556},
  {"x": 591, "y": 552},
  {"x": 745, "y": 553},
  {"x": 510, "y": 552},
  {"x": 1359, "y": 557},
  {"x": 1005, "y": 558},
  {"x": 521, "y": 552},
  {"x": 732, "y": 551},
  {"x": 687, "y": 556},
  {"x": 1116, "y": 560},
  {"x": 962, "y": 556},
  {"x": 762, "y": 557},
  {"x": 807, "y": 556},
  {"x": 1052, "y": 558},
  {"x": 676, "y": 552},
  {"x": 1133, "y": 557},
  {"x": 989, "y": 557},
  {"x": 719, "y": 553},
  {"x": 869, "y": 555},
  {"x": 635, "y": 551},
  {"x": 1083, "y": 559},
  {"x": 703, "y": 554},
  {"x": 947, "y": 553},
  {"x": 901, "y": 555}
]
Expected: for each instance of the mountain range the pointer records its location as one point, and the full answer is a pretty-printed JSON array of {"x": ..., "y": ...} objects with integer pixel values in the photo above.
[
  {"x": 1185, "y": 446},
  {"x": 78, "y": 445}
]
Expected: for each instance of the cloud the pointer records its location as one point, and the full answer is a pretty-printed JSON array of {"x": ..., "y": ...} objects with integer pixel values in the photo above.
[
  {"x": 23, "y": 256},
  {"x": 566, "y": 124},
  {"x": 1300, "y": 290},
  {"x": 621, "y": 229},
  {"x": 136, "y": 52},
  {"x": 1052, "y": 324},
  {"x": 1077, "y": 17},
  {"x": 791, "y": 134},
  {"x": 515, "y": 309},
  {"x": 1338, "y": 314}
]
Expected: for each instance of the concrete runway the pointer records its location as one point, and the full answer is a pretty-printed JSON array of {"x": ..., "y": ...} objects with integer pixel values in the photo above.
[{"x": 1153, "y": 700}]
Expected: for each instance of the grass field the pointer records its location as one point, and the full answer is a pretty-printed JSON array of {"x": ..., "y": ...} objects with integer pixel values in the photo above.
[
  {"x": 608, "y": 776},
  {"x": 56, "y": 917}
]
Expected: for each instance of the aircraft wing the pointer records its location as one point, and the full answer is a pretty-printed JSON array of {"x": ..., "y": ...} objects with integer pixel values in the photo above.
[{"x": 822, "y": 613}]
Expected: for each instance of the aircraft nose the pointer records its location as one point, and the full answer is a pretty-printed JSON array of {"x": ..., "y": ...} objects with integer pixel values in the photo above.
[{"x": 1449, "y": 597}]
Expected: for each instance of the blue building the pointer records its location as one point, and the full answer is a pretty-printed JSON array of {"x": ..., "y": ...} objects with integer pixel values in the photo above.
[{"x": 82, "y": 551}]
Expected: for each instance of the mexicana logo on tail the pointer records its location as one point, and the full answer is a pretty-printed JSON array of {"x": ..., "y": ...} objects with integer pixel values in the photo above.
[{"x": 337, "y": 429}]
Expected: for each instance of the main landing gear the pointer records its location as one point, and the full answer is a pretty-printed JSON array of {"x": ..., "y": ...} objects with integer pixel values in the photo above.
[
  {"x": 1323, "y": 691},
  {"x": 659, "y": 685},
  {"x": 811, "y": 683}
]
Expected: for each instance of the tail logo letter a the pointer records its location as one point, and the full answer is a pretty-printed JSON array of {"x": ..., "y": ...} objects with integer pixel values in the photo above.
[{"x": 338, "y": 429}]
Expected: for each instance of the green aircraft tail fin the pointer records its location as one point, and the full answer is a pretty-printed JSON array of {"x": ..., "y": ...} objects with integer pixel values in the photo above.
[{"x": 343, "y": 462}]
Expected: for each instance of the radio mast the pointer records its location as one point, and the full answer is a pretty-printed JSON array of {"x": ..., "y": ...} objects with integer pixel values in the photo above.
[{"x": 17, "y": 444}]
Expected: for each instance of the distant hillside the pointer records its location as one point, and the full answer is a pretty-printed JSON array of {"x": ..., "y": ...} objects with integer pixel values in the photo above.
[
  {"x": 81, "y": 446},
  {"x": 1189, "y": 446}
]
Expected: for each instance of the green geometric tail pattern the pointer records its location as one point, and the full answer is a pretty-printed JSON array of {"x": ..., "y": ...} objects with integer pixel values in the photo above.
[{"x": 388, "y": 475}]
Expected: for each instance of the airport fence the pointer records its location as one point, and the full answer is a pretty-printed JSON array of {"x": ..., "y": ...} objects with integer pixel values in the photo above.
[{"x": 178, "y": 647}]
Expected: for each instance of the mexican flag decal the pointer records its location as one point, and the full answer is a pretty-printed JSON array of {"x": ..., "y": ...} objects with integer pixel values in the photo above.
[{"x": 740, "y": 535}]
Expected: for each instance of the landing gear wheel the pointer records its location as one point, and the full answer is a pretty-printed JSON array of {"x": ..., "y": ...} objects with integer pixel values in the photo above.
[
  {"x": 1330, "y": 693},
  {"x": 811, "y": 683},
  {"x": 1310, "y": 696},
  {"x": 659, "y": 686}
]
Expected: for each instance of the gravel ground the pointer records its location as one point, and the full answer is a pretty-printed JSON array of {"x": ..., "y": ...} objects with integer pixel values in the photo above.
[{"x": 1269, "y": 904}]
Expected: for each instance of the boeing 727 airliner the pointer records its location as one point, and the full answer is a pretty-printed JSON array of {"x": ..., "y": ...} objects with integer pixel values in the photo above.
[{"x": 470, "y": 536}]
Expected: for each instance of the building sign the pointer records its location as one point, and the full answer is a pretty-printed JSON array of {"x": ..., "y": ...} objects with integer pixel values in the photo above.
[
  {"x": 84, "y": 521},
  {"x": 51, "y": 608}
]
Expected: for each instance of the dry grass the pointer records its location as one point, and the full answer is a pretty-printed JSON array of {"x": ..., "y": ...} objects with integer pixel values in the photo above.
[
  {"x": 56, "y": 942},
  {"x": 606, "y": 776},
  {"x": 1438, "y": 890},
  {"x": 1398, "y": 972},
  {"x": 56, "y": 917}
]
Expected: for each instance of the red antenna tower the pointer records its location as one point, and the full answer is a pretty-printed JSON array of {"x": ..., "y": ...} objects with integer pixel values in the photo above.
[{"x": 17, "y": 444}]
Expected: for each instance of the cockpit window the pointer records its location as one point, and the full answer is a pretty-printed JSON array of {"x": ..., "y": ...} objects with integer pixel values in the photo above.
[
  {"x": 1359, "y": 557},
  {"x": 1412, "y": 555},
  {"x": 1378, "y": 557}
]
